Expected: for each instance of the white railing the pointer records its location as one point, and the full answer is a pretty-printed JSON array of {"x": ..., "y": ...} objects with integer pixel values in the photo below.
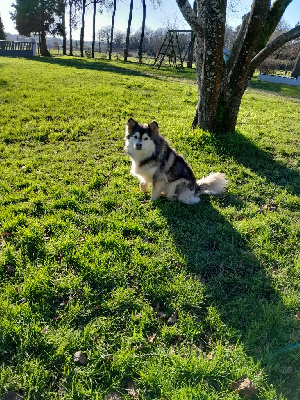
[{"x": 17, "y": 49}]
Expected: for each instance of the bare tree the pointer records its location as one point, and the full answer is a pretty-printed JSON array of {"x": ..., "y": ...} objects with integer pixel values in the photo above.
[
  {"x": 143, "y": 31},
  {"x": 104, "y": 36},
  {"x": 221, "y": 86},
  {"x": 128, "y": 31},
  {"x": 94, "y": 27},
  {"x": 101, "y": 3},
  {"x": 112, "y": 28},
  {"x": 154, "y": 3},
  {"x": 71, "y": 24},
  {"x": 62, "y": 5},
  {"x": 83, "y": 5}
]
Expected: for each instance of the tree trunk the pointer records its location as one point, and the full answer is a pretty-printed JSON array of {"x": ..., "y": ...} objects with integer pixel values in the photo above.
[
  {"x": 82, "y": 28},
  {"x": 94, "y": 29},
  {"x": 43, "y": 46},
  {"x": 209, "y": 63},
  {"x": 221, "y": 86},
  {"x": 192, "y": 42},
  {"x": 128, "y": 31},
  {"x": 64, "y": 46},
  {"x": 189, "y": 63},
  {"x": 296, "y": 69},
  {"x": 70, "y": 28},
  {"x": 112, "y": 29},
  {"x": 143, "y": 32}
]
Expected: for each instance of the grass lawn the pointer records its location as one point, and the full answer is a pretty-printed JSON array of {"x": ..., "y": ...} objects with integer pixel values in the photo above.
[{"x": 106, "y": 296}]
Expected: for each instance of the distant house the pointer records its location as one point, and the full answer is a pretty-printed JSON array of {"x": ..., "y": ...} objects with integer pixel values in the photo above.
[{"x": 226, "y": 53}]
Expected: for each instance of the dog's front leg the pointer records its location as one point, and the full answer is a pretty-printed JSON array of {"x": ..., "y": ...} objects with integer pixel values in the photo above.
[{"x": 157, "y": 188}]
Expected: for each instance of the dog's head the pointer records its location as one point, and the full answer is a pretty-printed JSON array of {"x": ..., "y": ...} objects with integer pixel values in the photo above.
[{"x": 140, "y": 137}]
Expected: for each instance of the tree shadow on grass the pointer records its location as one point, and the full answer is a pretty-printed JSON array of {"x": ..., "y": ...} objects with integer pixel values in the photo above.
[
  {"x": 95, "y": 65},
  {"x": 238, "y": 286},
  {"x": 247, "y": 153}
]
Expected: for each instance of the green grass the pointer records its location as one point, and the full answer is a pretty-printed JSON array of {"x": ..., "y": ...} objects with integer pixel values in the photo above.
[{"x": 179, "y": 300}]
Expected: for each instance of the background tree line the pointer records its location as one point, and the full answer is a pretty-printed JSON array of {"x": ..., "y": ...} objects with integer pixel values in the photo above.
[
  {"x": 220, "y": 85},
  {"x": 61, "y": 17}
]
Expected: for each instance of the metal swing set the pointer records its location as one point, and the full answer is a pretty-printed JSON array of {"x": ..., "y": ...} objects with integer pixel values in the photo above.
[{"x": 171, "y": 48}]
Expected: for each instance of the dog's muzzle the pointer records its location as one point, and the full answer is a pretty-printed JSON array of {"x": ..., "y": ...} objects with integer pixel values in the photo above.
[{"x": 138, "y": 146}]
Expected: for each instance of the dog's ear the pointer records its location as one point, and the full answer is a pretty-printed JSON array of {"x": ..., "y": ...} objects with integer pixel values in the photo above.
[
  {"x": 154, "y": 127},
  {"x": 130, "y": 124}
]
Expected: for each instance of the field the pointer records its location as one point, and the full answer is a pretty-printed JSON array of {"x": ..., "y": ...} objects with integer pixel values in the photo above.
[{"x": 107, "y": 296}]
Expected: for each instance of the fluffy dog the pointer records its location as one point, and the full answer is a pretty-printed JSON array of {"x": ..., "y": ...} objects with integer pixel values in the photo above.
[{"x": 155, "y": 163}]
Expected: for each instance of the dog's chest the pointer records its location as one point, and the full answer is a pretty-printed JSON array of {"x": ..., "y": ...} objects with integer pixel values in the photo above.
[{"x": 145, "y": 172}]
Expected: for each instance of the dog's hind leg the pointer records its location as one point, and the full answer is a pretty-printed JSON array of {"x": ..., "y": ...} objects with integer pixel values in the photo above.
[{"x": 187, "y": 196}]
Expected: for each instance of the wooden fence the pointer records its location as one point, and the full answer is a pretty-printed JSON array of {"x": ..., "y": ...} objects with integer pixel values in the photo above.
[{"x": 9, "y": 48}]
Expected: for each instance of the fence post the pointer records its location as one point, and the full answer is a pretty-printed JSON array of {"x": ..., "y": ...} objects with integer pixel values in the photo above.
[{"x": 33, "y": 44}]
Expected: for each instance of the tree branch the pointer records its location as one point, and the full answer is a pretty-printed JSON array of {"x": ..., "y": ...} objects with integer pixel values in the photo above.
[
  {"x": 241, "y": 64},
  {"x": 274, "y": 16},
  {"x": 238, "y": 42},
  {"x": 190, "y": 16},
  {"x": 273, "y": 46}
]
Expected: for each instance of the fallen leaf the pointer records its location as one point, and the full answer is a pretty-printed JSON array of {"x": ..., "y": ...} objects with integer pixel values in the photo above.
[
  {"x": 173, "y": 318},
  {"x": 132, "y": 391},
  {"x": 46, "y": 329},
  {"x": 244, "y": 386},
  {"x": 80, "y": 358},
  {"x": 113, "y": 396},
  {"x": 10, "y": 269},
  {"x": 151, "y": 338},
  {"x": 5, "y": 234}
]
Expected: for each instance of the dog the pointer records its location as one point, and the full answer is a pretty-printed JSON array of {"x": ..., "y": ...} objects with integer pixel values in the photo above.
[{"x": 155, "y": 163}]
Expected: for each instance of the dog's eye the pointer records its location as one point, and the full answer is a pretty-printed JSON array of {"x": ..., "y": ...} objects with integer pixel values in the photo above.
[
  {"x": 146, "y": 138},
  {"x": 135, "y": 137}
]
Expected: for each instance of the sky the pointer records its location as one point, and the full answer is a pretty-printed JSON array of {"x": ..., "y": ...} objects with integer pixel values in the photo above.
[{"x": 165, "y": 16}]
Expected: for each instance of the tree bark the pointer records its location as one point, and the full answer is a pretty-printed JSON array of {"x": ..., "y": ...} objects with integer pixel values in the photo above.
[
  {"x": 94, "y": 28},
  {"x": 70, "y": 28},
  {"x": 126, "y": 51},
  {"x": 221, "y": 86},
  {"x": 82, "y": 28},
  {"x": 43, "y": 46},
  {"x": 64, "y": 46},
  {"x": 296, "y": 70},
  {"x": 112, "y": 29},
  {"x": 192, "y": 42},
  {"x": 274, "y": 16},
  {"x": 143, "y": 32}
]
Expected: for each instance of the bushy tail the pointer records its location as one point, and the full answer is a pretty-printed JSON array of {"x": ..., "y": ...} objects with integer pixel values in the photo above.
[{"x": 214, "y": 183}]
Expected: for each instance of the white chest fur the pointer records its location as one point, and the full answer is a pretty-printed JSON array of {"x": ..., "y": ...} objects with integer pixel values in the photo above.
[{"x": 144, "y": 173}]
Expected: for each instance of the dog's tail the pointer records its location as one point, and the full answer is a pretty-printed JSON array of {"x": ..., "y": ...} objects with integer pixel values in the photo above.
[{"x": 214, "y": 183}]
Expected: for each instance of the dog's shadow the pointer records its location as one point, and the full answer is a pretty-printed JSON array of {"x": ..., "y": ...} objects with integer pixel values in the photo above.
[{"x": 236, "y": 281}]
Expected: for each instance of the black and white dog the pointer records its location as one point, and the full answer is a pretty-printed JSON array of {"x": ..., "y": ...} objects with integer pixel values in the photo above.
[{"x": 155, "y": 163}]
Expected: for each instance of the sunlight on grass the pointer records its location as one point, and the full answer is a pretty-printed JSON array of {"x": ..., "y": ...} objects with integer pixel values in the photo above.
[{"x": 175, "y": 301}]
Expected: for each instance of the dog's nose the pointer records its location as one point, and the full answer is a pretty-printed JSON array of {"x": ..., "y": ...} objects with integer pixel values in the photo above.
[{"x": 139, "y": 146}]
